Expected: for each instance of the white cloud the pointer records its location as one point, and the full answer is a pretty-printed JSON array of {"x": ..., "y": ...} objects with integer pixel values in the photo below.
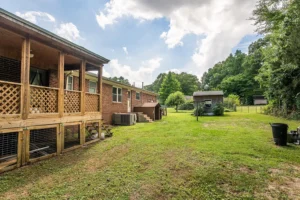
[
  {"x": 68, "y": 31},
  {"x": 105, "y": 73},
  {"x": 221, "y": 24},
  {"x": 143, "y": 74},
  {"x": 35, "y": 16},
  {"x": 176, "y": 71},
  {"x": 125, "y": 50},
  {"x": 65, "y": 30}
]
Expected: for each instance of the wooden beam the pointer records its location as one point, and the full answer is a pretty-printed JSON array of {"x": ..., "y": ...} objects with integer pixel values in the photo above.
[
  {"x": 82, "y": 133},
  {"x": 82, "y": 86},
  {"x": 25, "y": 75},
  {"x": 20, "y": 146},
  {"x": 72, "y": 67},
  {"x": 100, "y": 88},
  {"x": 61, "y": 76},
  {"x": 58, "y": 139}
]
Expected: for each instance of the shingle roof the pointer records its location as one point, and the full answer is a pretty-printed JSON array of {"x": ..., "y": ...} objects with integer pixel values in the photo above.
[{"x": 208, "y": 93}]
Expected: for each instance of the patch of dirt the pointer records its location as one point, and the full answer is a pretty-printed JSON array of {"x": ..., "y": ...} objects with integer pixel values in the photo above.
[
  {"x": 285, "y": 183},
  {"x": 246, "y": 170},
  {"x": 147, "y": 191},
  {"x": 112, "y": 155}
]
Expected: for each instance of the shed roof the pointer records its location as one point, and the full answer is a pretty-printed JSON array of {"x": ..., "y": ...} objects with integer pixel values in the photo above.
[
  {"x": 208, "y": 93},
  {"x": 150, "y": 105}
]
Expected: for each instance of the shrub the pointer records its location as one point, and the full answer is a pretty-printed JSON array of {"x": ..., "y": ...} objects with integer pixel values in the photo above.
[
  {"x": 175, "y": 99},
  {"x": 218, "y": 109},
  {"x": 200, "y": 110},
  {"x": 187, "y": 106}
]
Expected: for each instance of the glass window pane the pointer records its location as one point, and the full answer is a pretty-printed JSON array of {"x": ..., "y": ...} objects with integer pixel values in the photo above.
[
  {"x": 114, "y": 90},
  {"x": 119, "y": 91},
  {"x": 114, "y": 97},
  {"x": 119, "y": 98}
]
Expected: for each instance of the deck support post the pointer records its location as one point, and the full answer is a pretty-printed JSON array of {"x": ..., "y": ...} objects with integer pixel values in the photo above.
[
  {"x": 61, "y": 76},
  {"x": 100, "y": 87},
  {"x": 25, "y": 76},
  {"x": 82, "y": 86}
]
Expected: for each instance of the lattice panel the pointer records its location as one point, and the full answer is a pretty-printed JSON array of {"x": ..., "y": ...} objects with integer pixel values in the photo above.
[
  {"x": 43, "y": 100},
  {"x": 9, "y": 98},
  {"x": 91, "y": 102},
  {"x": 72, "y": 102}
]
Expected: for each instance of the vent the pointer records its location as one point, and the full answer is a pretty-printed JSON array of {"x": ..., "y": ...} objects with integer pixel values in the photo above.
[
  {"x": 8, "y": 147},
  {"x": 42, "y": 142},
  {"x": 91, "y": 131},
  {"x": 71, "y": 136}
]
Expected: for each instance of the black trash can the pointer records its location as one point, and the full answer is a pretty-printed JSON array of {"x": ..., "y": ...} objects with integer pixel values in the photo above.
[{"x": 280, "y": 133}]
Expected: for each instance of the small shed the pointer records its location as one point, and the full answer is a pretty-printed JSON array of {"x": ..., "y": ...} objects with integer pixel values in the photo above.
[
  {"x": 208, "y": 98},
  {"x": 259, "y": 100},
  {"x": 151, "y": 109}
]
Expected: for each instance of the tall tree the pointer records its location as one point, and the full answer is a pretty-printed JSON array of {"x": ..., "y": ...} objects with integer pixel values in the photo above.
[
  {"x": 189, "y": 83},
  {"x": 120, "y": 79},
  {"x": 170, "y": 85}
]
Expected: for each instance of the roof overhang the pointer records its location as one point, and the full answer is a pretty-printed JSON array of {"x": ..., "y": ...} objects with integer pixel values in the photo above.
[{"x": 24, "y": 28}]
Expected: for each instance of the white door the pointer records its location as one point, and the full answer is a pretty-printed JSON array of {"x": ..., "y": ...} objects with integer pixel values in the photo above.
[{"x": 129, "y": 101}]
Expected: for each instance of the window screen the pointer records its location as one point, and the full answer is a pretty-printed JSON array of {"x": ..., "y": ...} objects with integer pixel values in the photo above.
[
  {"x": 117, "y": 94},
  {"x": 93, "y": 87},
  {"x": 70, "y": 83},
  {"x": 138, "y": 96}
]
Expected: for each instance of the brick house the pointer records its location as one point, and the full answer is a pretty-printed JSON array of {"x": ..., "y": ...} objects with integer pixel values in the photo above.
[{"x": 116, "y": 98}]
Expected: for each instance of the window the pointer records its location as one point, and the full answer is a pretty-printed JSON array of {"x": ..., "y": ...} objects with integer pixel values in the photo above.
[
  {"x": 208, "y": 103},
  {"x": 117, "y": 94},
  {"x": 138, "y": 96},
  {"x": 70, "y": 83},
  {"x": 92, "y": 87}
]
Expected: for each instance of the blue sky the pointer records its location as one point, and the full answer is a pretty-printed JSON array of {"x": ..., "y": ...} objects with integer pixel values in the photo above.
[{"x": 158, "y": 35}]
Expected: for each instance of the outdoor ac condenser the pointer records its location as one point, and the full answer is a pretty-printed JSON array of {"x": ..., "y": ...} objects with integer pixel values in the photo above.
[{"x": 125, "y": 119}]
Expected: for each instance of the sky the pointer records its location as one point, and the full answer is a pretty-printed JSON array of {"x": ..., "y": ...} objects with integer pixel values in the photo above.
[{"x": 143, "y": 38}]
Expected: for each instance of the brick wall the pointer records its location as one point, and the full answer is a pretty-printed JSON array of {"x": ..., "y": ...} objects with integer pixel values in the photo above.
[
  {"x": 108, "y": 106},
  {"x": 53, "y": 78}
]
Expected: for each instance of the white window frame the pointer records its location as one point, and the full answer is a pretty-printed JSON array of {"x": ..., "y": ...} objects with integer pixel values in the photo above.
[
  {"x": 139, "y": 96},
  {"x": 72, "y": 84},
  {"x": 95, "y": 88},
  {"x": 119, "y": 94}
]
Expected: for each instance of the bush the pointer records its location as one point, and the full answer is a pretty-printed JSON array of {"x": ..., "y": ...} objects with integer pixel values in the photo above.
[
  {"x": 187, "y": 106},
  {"x": 227, "y": 110},
  {"x": 200, "y": 110},
  {"x": 218, "y": 109}
]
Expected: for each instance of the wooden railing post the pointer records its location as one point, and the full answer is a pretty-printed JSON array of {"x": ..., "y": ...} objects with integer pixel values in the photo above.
[
  {"x": 25, "y": 73},
  {"x": 100, "y": 87},
  {"x": 82, "y": 86},
  {"x": 61, "y": 76}
]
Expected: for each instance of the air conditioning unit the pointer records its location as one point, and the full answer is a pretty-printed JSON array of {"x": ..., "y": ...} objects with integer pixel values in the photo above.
[{"x": 126, "y": 119}]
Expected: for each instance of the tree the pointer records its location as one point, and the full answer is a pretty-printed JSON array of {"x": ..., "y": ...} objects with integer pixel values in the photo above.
[
  {"x": 175, "y": 99},
  {"x": 279, "y": 20},
  {"x": 170, "y": 85},
  {"x": 189, "y": 83},
  {"x": 120, "y": 79},
  {"x": 155, "y": 86}
]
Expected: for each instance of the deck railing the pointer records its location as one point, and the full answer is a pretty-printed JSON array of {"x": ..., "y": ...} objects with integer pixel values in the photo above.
[
  {"x": 43, "y": 99},
  {"x": 10, "y": 98},
  {"x": 72, "y": 101},
  {"x": 92, "y": 102}
]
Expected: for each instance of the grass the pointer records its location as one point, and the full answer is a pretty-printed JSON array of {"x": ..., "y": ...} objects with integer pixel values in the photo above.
[{"x": 230, "y": 157}]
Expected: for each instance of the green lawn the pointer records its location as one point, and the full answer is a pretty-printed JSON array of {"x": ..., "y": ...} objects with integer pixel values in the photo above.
[{"x": 230, "y": 157}]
